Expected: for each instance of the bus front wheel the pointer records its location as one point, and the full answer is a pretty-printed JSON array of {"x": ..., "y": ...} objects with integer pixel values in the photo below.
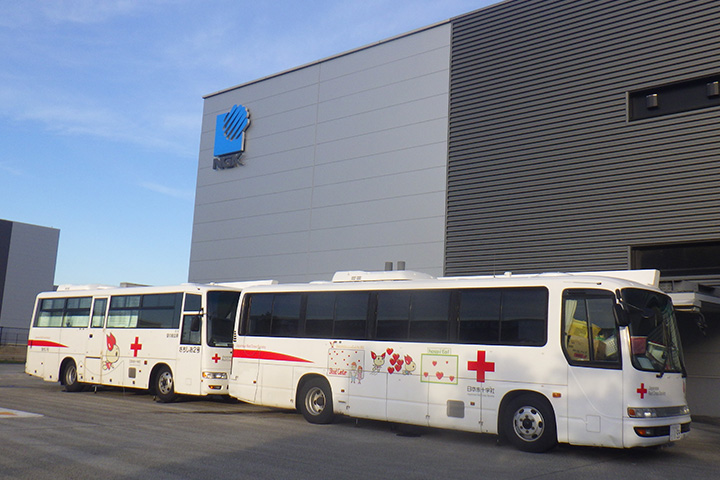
[
  {"x": 315, "y": 401},
  {"x": 70, "y": 377},
  {"x": 165, "y": 385},
  {"x": 529, "y": 423}
]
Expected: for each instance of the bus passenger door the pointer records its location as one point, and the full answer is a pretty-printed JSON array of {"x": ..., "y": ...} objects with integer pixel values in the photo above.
[
  {"x": 95, "y": 343},
  {"x": 595, "y": 377},
  {"x": 407, "y": 389},
  {"x": 368, "y": 381},
  {"x": 188, "y": 368},
  {"x": 454, "y": 393},
  {"x": 245, "y": 371}
]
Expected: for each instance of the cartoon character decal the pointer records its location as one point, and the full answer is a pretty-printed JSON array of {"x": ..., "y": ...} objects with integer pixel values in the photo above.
[
  {"x": 356, "y": 373},
  {"x": 346, "y": 362},
  {"x": 378, "y": 361},
  {"x": 409, "y": 366},
  {"x": 439, "y": 368},
  {"x": 112, "y": 353},
  {"x": 398, "y": 363}
]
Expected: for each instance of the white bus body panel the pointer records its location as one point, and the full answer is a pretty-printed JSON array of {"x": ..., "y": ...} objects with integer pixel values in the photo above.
[
  {"x": 461, "y": 386},
  {"x": 127, "y": 357}
]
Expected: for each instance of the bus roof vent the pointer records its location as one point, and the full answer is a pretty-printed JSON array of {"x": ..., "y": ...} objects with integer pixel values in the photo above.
[{"x": 394, "y": 275}]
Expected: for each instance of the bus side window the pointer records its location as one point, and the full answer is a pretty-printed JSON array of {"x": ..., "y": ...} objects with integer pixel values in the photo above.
[
  {"x": 524, "y": 316},
  {"x": 260, "y": 313},
  {"x": 319, "y": 314},
  {"x": 286, "y": 315},
  {"x": 602, "y": 320},
  {"x": 575, "y": 331},
  {"x": 191, "y": 329},
  {"x": 479, "y": 315},
  {"x": 50, "y": 312},
  {"x": 193, "y": 303},
  {"x": 77, "y": 312},
  {"x": 430, "y": 313},
  {"x": 351, "y": 314},
  {"x": 590, "y": 333},
  {"x": 393, "y": 315},
  {"x": 98, "y": 316}
]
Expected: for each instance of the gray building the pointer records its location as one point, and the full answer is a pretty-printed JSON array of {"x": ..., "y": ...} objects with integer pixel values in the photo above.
[
  {"x": 528, "y": 136},
  {"x": 344, "y": 167},
  {"x": 28, "y": 254}
]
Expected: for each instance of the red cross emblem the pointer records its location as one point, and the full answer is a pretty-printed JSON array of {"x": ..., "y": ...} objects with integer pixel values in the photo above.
[
  {"x": 136, "y": 347},
  {"x": 642, "y": 391},
  {"x": 216, "y": 358},
  {"x": 481, "y": 366}
]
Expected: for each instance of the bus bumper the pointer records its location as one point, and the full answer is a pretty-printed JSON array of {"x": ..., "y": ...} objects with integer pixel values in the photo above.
[
  {"x": 649, "y": 432},
  {"x": 214, "y": 384}
]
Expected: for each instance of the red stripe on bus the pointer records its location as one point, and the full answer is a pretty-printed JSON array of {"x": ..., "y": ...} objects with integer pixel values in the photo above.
[
  {"x": 44, "y": 343},
  {"x": 265, "y": 355}
]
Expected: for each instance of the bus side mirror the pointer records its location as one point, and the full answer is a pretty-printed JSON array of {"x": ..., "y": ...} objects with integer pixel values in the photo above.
[
  {"x": 195, "y": 324},
  {"x": 623, "y": 319}
]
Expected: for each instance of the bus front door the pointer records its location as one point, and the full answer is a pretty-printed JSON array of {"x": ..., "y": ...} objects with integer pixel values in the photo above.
[
  {"x": 96, "y": 349},
  {"x": 188, "y": 368},
  {"x": 591, "y": 341}
]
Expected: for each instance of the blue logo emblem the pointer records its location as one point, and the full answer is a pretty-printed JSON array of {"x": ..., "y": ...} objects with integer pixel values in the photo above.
[{"x": 230, "y": 137}]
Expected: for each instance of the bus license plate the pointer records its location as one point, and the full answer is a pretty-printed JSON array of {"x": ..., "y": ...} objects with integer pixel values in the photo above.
[{"x": 675, "y": 432}]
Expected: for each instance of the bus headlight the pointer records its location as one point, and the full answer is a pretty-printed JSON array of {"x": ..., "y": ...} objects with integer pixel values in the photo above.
[
  {"x": 642, "y": 412},
  {"x": 215, "y": 375}
]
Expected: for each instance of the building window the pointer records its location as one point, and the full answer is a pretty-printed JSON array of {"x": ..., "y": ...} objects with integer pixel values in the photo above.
[
  {"x": 682, "y": 259},
  {"x": 674, "y": 98}
]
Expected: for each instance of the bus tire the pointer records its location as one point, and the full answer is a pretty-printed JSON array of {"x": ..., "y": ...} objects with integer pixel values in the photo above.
[
  {"x": 164, "y": 385},
  {"x": 529, "y": 423},
  {"x": 69, "y": 377},
  {"x": 315, "y": 401}
]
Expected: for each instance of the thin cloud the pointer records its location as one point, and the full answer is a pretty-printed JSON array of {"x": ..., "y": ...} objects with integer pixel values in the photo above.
[
  {"x": 76, "y": 115},
  {"x": 168, "y": 191},
  {"x": 86, "y": 11},
  {"x": 11, "y": 170}
]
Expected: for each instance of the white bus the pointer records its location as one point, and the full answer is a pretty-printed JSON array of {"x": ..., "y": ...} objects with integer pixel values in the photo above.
[
  {"x": 585, "y": 359},
  {"x": 170, "y": 340}
]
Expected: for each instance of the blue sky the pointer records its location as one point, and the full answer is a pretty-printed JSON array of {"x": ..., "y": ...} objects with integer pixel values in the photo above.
[{"x": 101, "y": 108}]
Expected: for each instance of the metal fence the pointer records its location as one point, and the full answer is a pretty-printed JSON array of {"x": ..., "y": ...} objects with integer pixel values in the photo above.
[{"x": 13, "y": 336}]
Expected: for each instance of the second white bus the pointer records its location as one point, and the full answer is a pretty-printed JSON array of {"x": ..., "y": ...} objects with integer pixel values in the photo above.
[
  {"x": 585, "y": 359},
  {"x": 170, "y": 340}
]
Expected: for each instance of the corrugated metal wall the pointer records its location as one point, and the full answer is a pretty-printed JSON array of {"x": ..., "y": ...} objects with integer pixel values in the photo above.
[{"x": 545, "y": 171}]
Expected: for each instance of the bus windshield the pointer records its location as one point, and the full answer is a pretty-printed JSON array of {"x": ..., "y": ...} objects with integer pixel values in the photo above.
[
  {"x": 221, "y": 308},
  {"x": 655, "y": 342}
]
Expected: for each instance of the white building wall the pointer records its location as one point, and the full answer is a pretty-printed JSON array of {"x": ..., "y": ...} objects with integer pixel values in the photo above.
[{"x": 345, "y": 168}]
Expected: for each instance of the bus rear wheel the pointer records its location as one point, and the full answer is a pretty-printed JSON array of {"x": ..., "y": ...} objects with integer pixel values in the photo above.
[
  {"x": 315, "y": 401},
  {"x": 70, "y": 377},
  {"x": 529, "y": 424},
  {"x": 165, "y": 385}
]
